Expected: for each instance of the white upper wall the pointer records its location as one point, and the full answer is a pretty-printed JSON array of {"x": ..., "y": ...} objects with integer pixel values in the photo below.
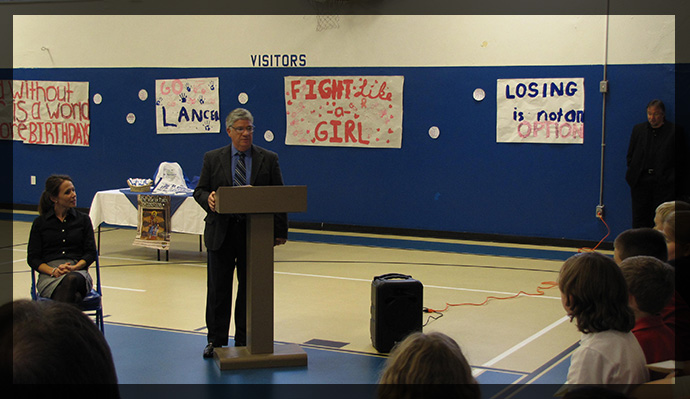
[{"x": 61, "y": 41}]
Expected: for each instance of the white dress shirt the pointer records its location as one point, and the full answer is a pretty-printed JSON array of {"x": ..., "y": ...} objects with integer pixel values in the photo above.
[{"x": 607, "y": 358}]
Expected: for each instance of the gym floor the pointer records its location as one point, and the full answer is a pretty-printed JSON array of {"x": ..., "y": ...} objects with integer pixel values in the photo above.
[{"x": 154, "y": 309}]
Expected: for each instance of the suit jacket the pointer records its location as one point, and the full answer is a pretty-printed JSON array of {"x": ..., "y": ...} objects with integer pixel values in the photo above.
[
  {"x": 217, "y": 171},
  {"x": 661, "y": 158}
]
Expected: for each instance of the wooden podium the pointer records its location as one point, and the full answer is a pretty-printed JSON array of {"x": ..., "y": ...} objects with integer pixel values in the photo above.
[{"x": 260, "y": 203}]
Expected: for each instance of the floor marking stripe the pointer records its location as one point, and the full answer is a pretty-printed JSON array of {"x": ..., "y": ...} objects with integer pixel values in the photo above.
[
  {"x": 525, "y": 342},
  {"x": 122, "y": 289},
  {"x": 321, "y": 276},
  {"x": 426, "y": 286}
]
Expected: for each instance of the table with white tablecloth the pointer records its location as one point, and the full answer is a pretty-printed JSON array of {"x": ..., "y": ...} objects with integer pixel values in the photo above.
[{"x": 117, "y": 207}]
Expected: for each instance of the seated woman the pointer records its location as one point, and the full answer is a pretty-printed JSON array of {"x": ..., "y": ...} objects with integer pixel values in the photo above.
[{"x": 61, "y": 244}]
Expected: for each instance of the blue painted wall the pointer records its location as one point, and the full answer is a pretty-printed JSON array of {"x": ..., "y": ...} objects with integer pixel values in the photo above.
[{"x": 464, "y": 181}]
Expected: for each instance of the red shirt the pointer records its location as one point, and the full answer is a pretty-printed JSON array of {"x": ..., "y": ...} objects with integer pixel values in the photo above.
[
  {"x": 658, "y": 341},
  {"x": 676, "y": 316}
]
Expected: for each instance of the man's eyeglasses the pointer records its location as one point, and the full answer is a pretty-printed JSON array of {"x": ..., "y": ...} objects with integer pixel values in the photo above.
[{"x": 242, "y": 129}]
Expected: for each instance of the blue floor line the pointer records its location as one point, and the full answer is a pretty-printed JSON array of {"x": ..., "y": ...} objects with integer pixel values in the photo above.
[
  {"x": 554, "y": 373},
  {"x": 398, "y": 243},
  {"x": 432, "y": 246},
  {"x": 17, "y": 217}
]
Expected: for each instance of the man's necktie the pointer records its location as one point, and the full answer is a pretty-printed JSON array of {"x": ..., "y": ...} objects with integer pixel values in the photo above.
[{"x": 240, "y": 171}]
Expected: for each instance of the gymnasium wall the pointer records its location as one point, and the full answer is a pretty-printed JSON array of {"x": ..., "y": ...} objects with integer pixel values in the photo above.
[{"x": 462, "y": 181}]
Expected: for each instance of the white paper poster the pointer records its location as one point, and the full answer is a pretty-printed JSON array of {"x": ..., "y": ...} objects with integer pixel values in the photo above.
[
  {"x": 187, "y": 106},
  {"x": 344, "y": 111},
  {"x": 45, "y": 112},
  {"x": 540, "y": 110}
]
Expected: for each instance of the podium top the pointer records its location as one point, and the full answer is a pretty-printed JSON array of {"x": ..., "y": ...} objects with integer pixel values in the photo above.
[{"x": 261, "y": 199}]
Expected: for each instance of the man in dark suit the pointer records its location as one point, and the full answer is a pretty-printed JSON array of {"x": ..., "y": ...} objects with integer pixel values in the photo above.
[
  {"x": 239, "y": 163},
  {"x": 651, "y": 161}
]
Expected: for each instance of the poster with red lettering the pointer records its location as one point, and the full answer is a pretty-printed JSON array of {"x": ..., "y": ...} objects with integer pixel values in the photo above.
[
  {"x": 45, "y": 112},
  {"x": 344, "y": 111},
  {"x": 187, "y": 106},
  {"x": 550, "y": 110}
]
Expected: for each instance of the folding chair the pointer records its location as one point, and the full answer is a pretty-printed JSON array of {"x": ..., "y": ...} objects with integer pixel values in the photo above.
[{"x": 92, "y": 304}]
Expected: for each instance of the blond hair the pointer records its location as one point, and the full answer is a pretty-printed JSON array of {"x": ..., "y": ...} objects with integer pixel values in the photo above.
[
  {"x": 664, "y": 210},
  {"x": 677, "y": 230}
]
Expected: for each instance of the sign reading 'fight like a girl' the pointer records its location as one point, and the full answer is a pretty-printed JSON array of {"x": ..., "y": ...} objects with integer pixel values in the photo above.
[{"x": 344, "y": 111}]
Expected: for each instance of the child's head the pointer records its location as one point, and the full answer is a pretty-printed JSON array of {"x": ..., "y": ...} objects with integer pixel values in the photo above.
[
  {"x": 665, "y": 209},
  {"x": 642, "y": 241},
  {"x": 421, "y": 361},
  {"x": 650, "y": 282},
  {"x": 427, "y": 358},
  {"x": 594, "y": 293},
  {"x": 677, "y": 232}
]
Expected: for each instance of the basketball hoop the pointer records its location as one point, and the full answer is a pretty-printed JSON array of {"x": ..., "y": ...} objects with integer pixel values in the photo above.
[{"x": 327, "y": 13}]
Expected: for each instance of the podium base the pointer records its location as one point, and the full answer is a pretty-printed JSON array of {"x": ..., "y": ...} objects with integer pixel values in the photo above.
[{"x": 235, "y": 358}]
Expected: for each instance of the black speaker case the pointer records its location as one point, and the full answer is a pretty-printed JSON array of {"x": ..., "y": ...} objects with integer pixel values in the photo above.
[{"x": 396, "y": 309}]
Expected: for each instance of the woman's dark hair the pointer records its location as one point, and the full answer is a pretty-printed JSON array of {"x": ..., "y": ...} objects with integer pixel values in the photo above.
[
  {"x": 596, "y": 293},
  {"x": 52, "y": 189}
]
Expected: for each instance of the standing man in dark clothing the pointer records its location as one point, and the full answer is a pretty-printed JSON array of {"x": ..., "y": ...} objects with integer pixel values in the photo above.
[
  {"x": 651, "y": 164},
  {"x": 237, "y": 164}
]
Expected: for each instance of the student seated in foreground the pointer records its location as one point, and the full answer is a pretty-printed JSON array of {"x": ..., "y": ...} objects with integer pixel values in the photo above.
[
  {"x": 53, "y": 342},
  {"x": 648, "y": 242},
  {"x": 640, "y": 241},
  {"x": 676, "y": 228},
  {"x": 595, "y": 295},
  {"x": 677, "y": 231},
  {"x": 419, "y": 363},
  {"x": 651, "y": 285},
  {"x": 665, "y": 209}
]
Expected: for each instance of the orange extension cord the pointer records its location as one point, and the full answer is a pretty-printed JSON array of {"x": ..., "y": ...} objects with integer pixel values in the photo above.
[
  {"x": 545, "y": 285},
  {"x": 608, "y": 231}
]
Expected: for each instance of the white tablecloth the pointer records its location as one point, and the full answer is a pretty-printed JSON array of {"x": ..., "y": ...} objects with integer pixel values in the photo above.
[{"x": 113, "y": 207}]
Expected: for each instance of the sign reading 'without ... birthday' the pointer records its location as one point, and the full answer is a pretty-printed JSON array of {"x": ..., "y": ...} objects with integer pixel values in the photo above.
[
  {"x": 344, "y": 111},
  {"x": 45, "y": 112},
  {"x": 548, "y": 110},
  {"x": 187, "y": 106}
]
